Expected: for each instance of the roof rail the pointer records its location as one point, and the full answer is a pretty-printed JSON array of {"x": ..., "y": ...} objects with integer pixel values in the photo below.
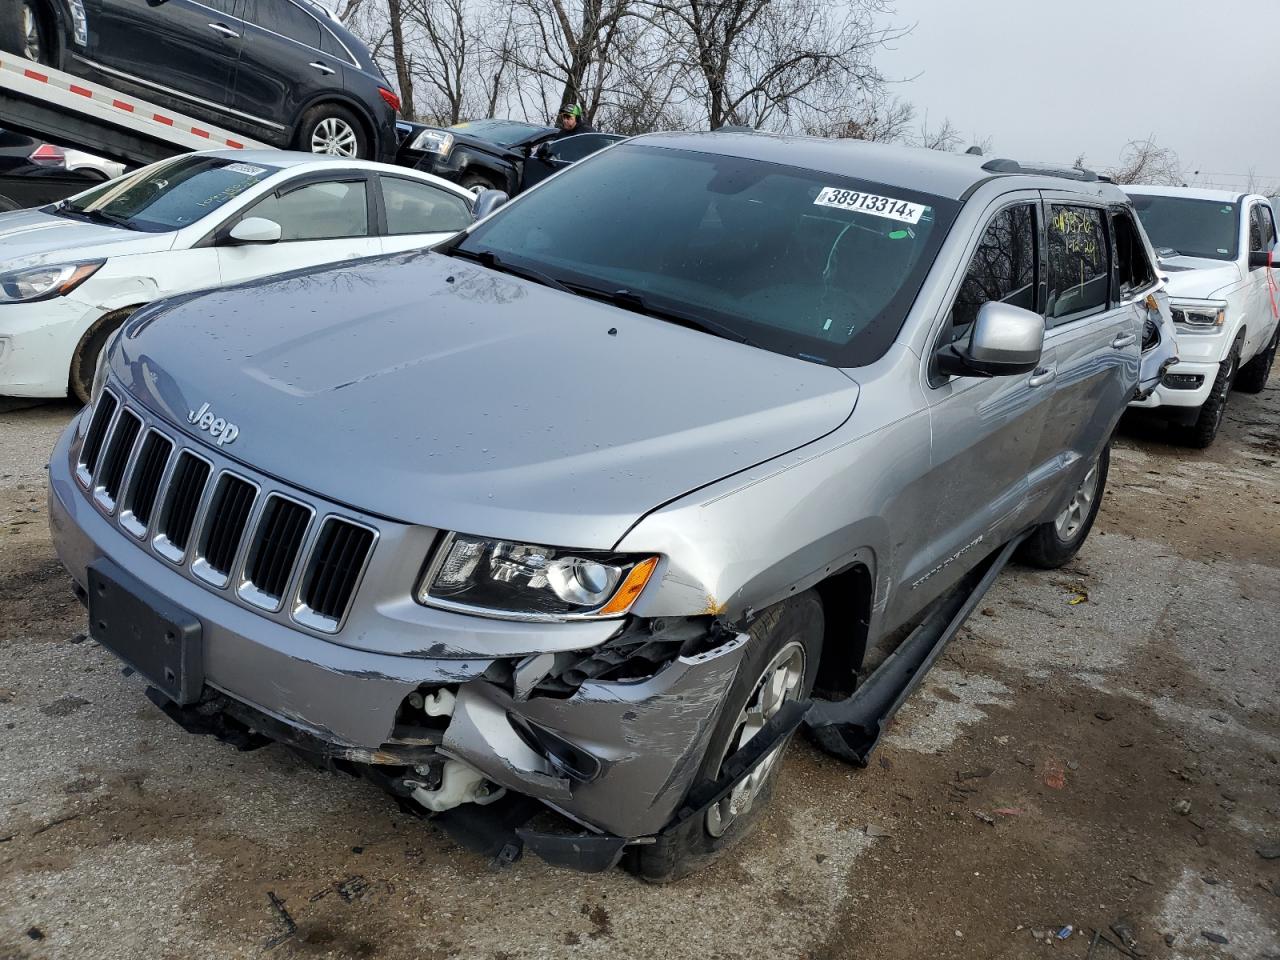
[{"x": 1004, "y": 165}]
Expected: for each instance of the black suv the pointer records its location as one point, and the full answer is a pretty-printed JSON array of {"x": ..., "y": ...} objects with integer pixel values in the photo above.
[
  {"x": 280, "y": 71},
  {"x": 507, "y": 155}
]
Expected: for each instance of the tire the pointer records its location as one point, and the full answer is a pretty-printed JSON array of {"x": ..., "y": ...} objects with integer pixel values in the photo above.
[
  {"x": 1253, "y": 376},
  {"x": 1052, "y": 544},
  {"x": 26, "y": 30},
  {"x": 330, "y": 128},
  {"x": 785, "y": 641},
  {"x": 475, "y": 182},
  {"x": 84, "y": 362},
  {"x": 1204, "y": 430}
]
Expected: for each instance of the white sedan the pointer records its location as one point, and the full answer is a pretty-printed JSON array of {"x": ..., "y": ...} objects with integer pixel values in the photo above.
[{"x": 70, "y": 273}]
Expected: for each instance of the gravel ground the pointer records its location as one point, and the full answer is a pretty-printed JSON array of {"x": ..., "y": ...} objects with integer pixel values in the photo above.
[{"x": 1098, "y": 749}]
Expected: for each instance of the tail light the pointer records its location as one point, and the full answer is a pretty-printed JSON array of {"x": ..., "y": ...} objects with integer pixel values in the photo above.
[
  {"x": 47, "y": 155},
  {"x": 392, "y": 100}
]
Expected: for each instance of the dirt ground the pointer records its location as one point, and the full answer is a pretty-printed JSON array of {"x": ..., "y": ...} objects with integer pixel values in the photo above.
[{"x": 1098, "y": 750}]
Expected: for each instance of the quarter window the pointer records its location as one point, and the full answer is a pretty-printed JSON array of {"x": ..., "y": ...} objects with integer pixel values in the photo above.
[
  {"x": 1132, "y": 263},
  {"x": 1078, "y": 272},
  {"x": 1003, "y": 268},
  {"x": 319, "y": 211},
  {"x": 414, "y": 207},
  {"x": 288, "y": 20}
]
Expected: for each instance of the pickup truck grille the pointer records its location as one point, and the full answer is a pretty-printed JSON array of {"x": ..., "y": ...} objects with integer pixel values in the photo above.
[{"x": 268, "y": 549}]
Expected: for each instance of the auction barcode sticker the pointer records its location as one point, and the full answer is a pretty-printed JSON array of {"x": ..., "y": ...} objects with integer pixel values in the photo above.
[
  {"x": 887, "y": 207},
  {"x": 248, "y": 169}
]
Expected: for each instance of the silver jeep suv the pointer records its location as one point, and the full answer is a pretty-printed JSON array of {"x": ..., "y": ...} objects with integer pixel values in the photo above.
[{"x": 591, "y": 508}]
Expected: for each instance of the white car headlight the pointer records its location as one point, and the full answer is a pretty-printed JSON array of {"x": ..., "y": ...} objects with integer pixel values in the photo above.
[
  {"x": 529, "y": 582},
  {"x": 31, "y": 284},
  {"x": 1202, "y": 317},
  {"x": 433, "y": 141}
]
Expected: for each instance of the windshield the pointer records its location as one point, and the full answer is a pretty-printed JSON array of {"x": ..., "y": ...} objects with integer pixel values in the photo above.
[
  {"x": 1194, "y": 228},
  {"x": 795, "y": 261},
  {"x": 168, "y": 195},
  {"x": 505, "y": 133}
]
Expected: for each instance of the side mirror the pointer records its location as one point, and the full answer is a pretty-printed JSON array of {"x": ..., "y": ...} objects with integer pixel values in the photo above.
[
  {"x": 488, "y": 201},
  {"x": 253, "y": 230},
  {"x": 1260, "y": 258},
  {"x": 1005, "y": 340}
]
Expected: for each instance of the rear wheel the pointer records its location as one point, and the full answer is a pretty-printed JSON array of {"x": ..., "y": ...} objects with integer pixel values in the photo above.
[
  {"x": 1253, "y": 376},
  {"x": 25, "y": 30},
  {"x": 1204, "y": 430},
  {"x": 1052, "y": 544},
  {"x": 332, "y": 129},
  {"x": 779, "y": 665}
]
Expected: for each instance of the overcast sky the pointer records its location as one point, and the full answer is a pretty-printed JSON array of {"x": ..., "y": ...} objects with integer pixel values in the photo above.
[{"x": 1048, "y": 80}]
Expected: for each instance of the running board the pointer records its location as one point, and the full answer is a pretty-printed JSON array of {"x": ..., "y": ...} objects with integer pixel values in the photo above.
[{"x": 850, "y": 729}]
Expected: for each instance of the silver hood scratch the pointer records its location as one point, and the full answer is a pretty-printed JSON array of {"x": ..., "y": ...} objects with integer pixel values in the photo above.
[{"x": 432, "y": 391}]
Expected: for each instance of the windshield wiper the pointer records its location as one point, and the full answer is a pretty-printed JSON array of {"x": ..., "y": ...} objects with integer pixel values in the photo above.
[
  {"x": 630, "y": 300},
  {"x": 93, "y": 216},
  {"x": 489, "y": 259}
]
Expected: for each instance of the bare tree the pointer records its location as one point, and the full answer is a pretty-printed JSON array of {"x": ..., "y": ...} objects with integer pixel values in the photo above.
[
  {"x": 878, "y": 117},
  {"x": 944, "y": 137},
  {"x": 1145, "y": 161},
  {"x": 460, "y": 78},
  {"x": 404, "y": 78}
]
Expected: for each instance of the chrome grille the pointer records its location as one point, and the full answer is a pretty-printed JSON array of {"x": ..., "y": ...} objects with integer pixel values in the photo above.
[{"x": 231, "y": 533}]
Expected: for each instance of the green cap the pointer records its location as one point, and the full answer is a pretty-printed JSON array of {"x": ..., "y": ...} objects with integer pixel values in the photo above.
[{"x": 571, "y": 110}]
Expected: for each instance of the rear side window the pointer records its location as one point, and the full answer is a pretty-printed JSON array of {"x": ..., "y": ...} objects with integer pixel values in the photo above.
[
  {"x": 1003, "y": 269},
  {"x": 287, "y": 19},
  {"x": 1133, "y": 266},
  {"x": 1079, "y": 278},
  {"x": 414, "y": 207},
  {"x": 319, "y": 211},
  {"x": 1268, "y": 226}
]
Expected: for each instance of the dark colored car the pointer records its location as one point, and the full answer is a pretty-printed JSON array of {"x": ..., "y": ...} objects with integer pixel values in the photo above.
[
  {"x": 34, "y": 173},
  {"x": 280, "y": 71},
  {"x": 492, "y": 154}
]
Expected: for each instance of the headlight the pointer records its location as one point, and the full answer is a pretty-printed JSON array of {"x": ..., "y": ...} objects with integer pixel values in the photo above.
[
  {"x": 433, "y": 141},
  {"x": 44, "y": 283},
  {"x": 1203, "y": 317},
  {"x": 529, "y": 582}
]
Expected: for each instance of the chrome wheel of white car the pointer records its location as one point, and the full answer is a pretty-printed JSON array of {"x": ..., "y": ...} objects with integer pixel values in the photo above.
[
  {"x": 781, "y": 681},
  {"x": 1070, "y": 520},
  {"x": 33, "y": 48},
  {"x": 336, "y": 137}
]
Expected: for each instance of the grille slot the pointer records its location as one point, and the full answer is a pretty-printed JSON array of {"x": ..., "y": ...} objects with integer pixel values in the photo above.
[
  {"x": 97, "y": 433},
  {"x": 145, "y": 485},
  {"x": 224, "y": 526},
  {"x": 276, "y": 545},
  {"x": 183, "y": 500},
  {"x": 116, "y": 456},
  {"x": 336, "y": 564}
]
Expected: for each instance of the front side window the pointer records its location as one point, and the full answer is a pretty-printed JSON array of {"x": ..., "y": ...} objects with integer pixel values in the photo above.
[
  {"x": 1268, "y": 226},
  {"x": 168, "y": 195},
  {"x": 797, "y": 261},
  {"x": 224, "y": 6},
  {"x": 1255, "y": 228},
  {"x": 1079, "y": 278},
  {"x": 287, "y": 19},
  {"x": 414, "y": 207},
  {"x": 1182, "y": 226},
  {"x": 319, "y": 211},
  {"x": 1003, "y": 269},
  {"x": 1133, "y": 266}
]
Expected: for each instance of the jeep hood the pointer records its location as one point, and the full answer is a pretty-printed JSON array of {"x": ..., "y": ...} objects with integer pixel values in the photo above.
[
  {"x": 1197, "y": 278},
  {"x": 430, "y": 390}
]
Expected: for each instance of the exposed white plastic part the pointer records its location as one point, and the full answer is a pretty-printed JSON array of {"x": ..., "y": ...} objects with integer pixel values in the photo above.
[
  {"x": 459, "y": 784},
  {"x": 439, "y": 704}
]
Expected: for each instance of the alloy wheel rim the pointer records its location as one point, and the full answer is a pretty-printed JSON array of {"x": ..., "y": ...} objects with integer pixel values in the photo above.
[
  {"x": 335, "y": 137},
  {"x": 31, "y": 33},
  {"x": 1070, "y": 520},
  {"x": 777, "y": 684}
]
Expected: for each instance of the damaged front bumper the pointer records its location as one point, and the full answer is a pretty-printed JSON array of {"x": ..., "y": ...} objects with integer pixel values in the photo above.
[{"x": 618, "y": 756}]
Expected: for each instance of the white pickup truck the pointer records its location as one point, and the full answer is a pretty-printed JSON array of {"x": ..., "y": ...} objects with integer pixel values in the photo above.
[{"x": 1215, "y": 246}]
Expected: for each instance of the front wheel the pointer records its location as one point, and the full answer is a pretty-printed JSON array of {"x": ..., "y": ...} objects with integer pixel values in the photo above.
[
  {"x": 84, "y": 362},
  {"x": 1204, "y": 431},
  {"x": 333, "y": 130},
  {"x": 24, "y": 30},
  {"x": 1052, "y": 544},
  {"x": 779, "y": 665}
]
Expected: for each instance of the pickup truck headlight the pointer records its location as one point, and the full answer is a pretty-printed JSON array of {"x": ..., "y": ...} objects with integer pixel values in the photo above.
[
  {"x": 433, "y": 141},
  {"x": 524, "y": 581},
  {"x": 1201, "y": 317},
  {"x": 31, "y": 284}
]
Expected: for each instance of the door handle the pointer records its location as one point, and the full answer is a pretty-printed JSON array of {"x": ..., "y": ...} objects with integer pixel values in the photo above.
[
  {"x": 223, "y": 29},
  {"x": 323, "y": 68},
  {"x": 1041, "y": 376},
  {"x": 1123, "y": 340}
]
